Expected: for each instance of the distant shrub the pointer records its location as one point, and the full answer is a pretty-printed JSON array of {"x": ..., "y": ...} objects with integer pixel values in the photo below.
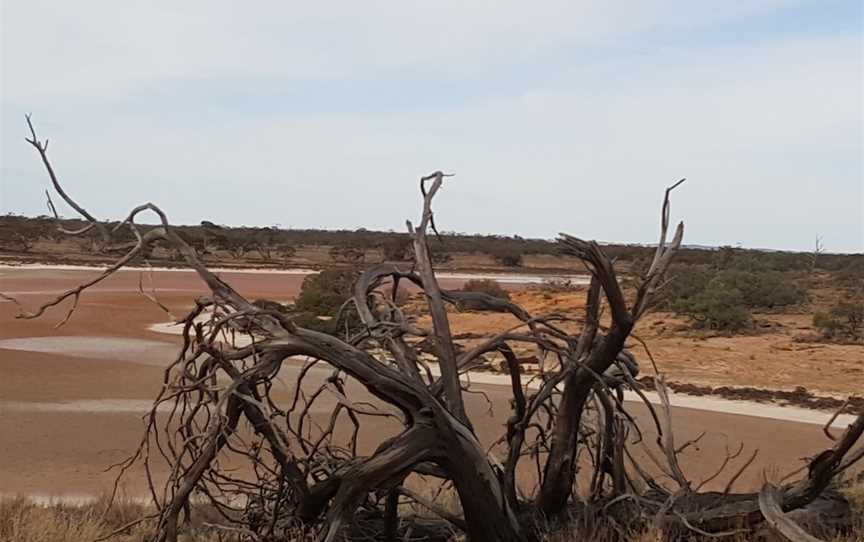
[
  {"x": 759, "y": 290},
  {"x": 347, "y": 254},
  {"x": 14, "y": 241},
  {"x": 440, "y": 255},
  {"x": 506, "y": 256},
  {"x": 851, "y": 275},
  {"x": 396, "y": 249},
  {"x": 723, "y": 300},
  {"x": 716, "y": 309},
  {"x": 264, "y": 241},
  {"x": 286, "y": 252},
  {"x": 237, "y": 248},
  {"x": 844, "y": 321},
  {"x": 486, "y": 286},
  {"x": 752, "y": 260},
  {"x": 326, "y": 291},
  {"x": 742, "y": 262},
  {"x": 557, "y": 286},
  {"x": 685, "y": 283}
]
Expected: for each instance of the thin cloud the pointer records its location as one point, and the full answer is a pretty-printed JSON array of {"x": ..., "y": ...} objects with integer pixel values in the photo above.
[{"x": 572, "y": 117}]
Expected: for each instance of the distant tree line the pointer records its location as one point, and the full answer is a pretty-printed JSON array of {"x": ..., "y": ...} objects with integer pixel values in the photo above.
[{"x": 18, "y": 233}]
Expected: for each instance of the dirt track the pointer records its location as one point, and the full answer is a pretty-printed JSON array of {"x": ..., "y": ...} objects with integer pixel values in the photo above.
[{"x": 71, "y": 407}]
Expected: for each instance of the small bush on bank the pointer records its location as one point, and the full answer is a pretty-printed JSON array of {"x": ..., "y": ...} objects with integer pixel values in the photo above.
[
  {"x": 486, "y": 286},
  {"x": 845, "y": 321},
  {"x": 507, "y": 257},
  {"x": 321, "y": 296},
  {"x": 325, "y": 292},
  {"x": 557, "y": 286}
]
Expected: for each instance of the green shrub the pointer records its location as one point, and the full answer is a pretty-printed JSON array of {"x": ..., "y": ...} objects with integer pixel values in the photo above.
[
  {"x": 762, "y": 290},
  {"x": 716, "y": 309},
  {"x": 758, "y": 290},
  {"x": 753, "y": 260},
  {"x": 686, "y": 282},
  {"x": 844, "y": 321},
  {"x": 723, "y": 300},
  {"x": 321, "y": 297},
  {"x": 747, "y": 262}
]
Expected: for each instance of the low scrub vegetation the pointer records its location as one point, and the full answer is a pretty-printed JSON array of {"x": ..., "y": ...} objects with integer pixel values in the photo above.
[
  {"x": 486, "y": 286},
  {"x": 506, "y": 256},
  {"x": 717, "y": 309},
  {"x": 322, "y": 295},
  {"x": 246, "y": 243},
  {"x": 724, "y": 299},
  {"x": 851, "y": 275},
  {"x": 320, "y": 302},
  {"x": 22, "y": 520},
  {"x": 396, "y": 248},
  {"x": 557, "y": 286},
  {"x": 843, "y": 322}
]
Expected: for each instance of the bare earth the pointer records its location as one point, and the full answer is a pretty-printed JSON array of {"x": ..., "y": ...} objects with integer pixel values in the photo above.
[
  {"x": 71, "y": 399},
  {"x": 777, "y": 358}
]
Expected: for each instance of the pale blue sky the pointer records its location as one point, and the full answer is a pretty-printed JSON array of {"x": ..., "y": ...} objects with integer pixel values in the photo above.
[{"x": 555, "y": 116}]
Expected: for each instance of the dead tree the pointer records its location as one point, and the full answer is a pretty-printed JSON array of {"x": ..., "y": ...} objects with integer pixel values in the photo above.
[
  {"x": 302, "y": 477},
  {"x": 818, "y": 250}
]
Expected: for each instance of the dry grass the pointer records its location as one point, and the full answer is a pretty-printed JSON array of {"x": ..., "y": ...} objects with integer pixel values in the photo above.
[
  {"x": 855, "y": 494},
  {"x": 22, "y": 520}
]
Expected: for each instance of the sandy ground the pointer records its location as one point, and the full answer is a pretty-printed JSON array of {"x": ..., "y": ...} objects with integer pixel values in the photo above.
[
  {"x": 71, "y": 400},
  {"x": 780, "y": 356}
]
